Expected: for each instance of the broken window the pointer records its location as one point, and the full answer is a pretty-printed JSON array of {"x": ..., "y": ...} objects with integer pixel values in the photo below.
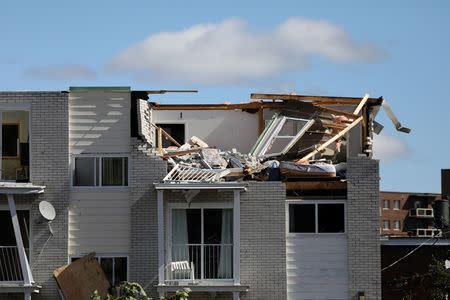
[
  {"x": 100, "y": 171},
  {"x": 317, "y": 218},
  {"x": 205, "y": 238},
  {"x": 115, "y": 268},
  {"x": 15, "y": 145},
  {"x": 176, "y": 131},
  {"x": 280, "y": 135}
]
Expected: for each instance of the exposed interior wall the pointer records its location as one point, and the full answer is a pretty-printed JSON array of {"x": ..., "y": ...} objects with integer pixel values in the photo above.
[
  {"x": 363, "y": 231},
  {"x": 144, "y": 119},
  {"x": 99, "y": 221},
  {"x": 99, "y": 122},
  {"x": 225, "y": 129}
]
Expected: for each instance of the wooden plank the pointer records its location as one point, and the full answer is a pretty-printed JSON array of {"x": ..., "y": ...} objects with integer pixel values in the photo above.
[
  {"x": 349, "y": 100},
  {"x": 177, "y": 153},
  {"x": 361, "y": 104},
  {"x": 339, "y": 112},
  {"x": 316, "y": 185},
  {"x": 166, "y": 135},
  {"x": 171, "y": 91},
  {"x": 321, "y": 132},
  {"x": 78, "y": 280},
  {"x": 334, "y": 125},
  {"x": 253, "y": 105},
  {"x": 331, "y": 118},
  {"x": 337, "y": 136},
  {"x": 261, "y": 124}
]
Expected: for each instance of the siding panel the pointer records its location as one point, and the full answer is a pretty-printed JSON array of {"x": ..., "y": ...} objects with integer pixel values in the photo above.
[{"x": 99, "y": 221}]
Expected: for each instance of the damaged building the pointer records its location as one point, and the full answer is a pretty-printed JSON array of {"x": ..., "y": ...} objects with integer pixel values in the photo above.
[{"x": 273, "y": 198}]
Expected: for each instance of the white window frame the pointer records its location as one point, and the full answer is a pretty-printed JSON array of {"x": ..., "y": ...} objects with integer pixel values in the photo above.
[
  {"x": 388, "y": 223},
  {"x": 100, "y": 256},
  {"x": 399, "y": 225},
  {"x": 202, "y": 206},
  {"x": 399, "y": 205},
  {"x": 99, "y": 156},
  {"x": 13, "y": 107},
  {"x": 316, "y": 202},
  {"x": 388, "y": 206}
]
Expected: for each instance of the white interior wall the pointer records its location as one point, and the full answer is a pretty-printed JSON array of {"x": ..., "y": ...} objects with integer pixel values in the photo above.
[{"x": 225, "y": 129}]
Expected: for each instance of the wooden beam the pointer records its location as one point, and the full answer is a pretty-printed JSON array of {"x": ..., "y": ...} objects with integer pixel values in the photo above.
[
  {"x": 177, "y": 153},
  {"x": 316, "y": 185},
  {"x": 253, "y": 105},
  {"x": 337, "y": 136},
  {"x": 349, "y": 100},
  {"x": 166, "y": 135},
  {"x": 261, "y": 124},
  {"x": 361, "y": 104},
  {"x": 171, "y": 91},
  {"x": 339, "y": 112}
]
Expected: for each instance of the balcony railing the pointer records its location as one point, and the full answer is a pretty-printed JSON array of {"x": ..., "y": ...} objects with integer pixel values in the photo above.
[
  {"x": 210, "y": 262},
  {"x": 10, "y": 268}
]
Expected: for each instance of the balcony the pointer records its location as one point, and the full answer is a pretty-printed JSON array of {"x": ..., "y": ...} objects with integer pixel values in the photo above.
[
  {"x": 10, "y": 268},
  {"x": 421, "y": 213}
]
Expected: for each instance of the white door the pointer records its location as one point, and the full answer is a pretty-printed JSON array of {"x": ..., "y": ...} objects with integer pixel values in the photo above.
[{"x": 317, "y": 267}]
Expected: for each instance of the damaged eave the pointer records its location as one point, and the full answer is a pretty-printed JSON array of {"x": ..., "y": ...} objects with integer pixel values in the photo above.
[
  {"x": 322, "y": 100},
  {"x": 13, "y": 188},
  {"x": 250, "y": 105},
  {"x": 237, "y": 186}
]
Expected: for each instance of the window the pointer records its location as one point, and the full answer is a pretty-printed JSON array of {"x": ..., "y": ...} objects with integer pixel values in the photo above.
[
  {"x": 396, "y": 204},
  {"x": 386, "y": 225},
  {"x": 176, "y": 131},
  {"x": 14, "y": 163},
  {"x": 100, "y": 171},
  {"x": 115, "y": 268},
  {"x": 317, "y": 218},
  {"x": 386, "y": 204},
  {"x": 396, "y": 225},
  {"x": 204, "y": 237}
]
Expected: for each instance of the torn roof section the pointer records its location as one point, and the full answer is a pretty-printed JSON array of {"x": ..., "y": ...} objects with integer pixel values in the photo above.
[{"x": 308, "y": 131}]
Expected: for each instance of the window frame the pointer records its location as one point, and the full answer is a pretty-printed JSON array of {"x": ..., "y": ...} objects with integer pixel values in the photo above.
[
  {"x": 388, "y": 206},
  {"x": 202, "y": 206},
  {"x": 100, "y": 156},
  {"x": 19, "y": 107},
  {"x": 316, "y": 217},
  {"x": 399, "y": 225},
  {"x": 388, "y": 228},
  {"x": 399, "y": 205},
  {"x": 100, "y": 256}
]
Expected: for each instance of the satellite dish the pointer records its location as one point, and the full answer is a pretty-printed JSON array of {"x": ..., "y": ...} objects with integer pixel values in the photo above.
[{"x": 47, "y": 210}]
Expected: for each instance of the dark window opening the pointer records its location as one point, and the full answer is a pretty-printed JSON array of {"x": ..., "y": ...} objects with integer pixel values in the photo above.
[
  {"x": 331, "y": 218},
  {"x": 115, "y": 268},
  {"x": 10, "y": 140},
  {"x": 302, "y": 218},
  {"x": 176, "y": 131}
]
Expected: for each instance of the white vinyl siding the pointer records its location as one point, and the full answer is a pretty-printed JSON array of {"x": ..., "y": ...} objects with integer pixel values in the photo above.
[
  {"x": 99, "y": 221},
  {"x": 99, "y": 121}
]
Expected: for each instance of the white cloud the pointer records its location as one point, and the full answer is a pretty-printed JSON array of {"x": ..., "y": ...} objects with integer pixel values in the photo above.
[
  {"x": 230, "y": 53},
  {"x": 389, "y": 148},
  {"x": 61, "y": 72}
]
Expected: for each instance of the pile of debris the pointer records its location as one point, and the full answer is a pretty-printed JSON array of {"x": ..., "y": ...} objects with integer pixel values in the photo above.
[{"x": 305, "y": 138}]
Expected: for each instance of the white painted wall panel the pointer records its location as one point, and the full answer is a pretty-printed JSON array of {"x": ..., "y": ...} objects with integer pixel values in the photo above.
[
  {"x": 225, "y": 129},
  {"x": 99, "y": 121},
  {"x": 317, "y": 267},
  {"x": 99, "y": 220}
]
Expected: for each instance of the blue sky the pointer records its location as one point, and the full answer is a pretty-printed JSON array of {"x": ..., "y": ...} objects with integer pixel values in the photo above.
[{"x": 398, "y": 50}]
